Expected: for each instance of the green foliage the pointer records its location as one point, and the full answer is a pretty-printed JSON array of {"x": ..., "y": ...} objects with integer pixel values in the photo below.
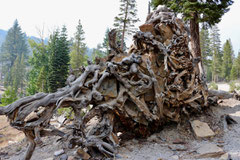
[
  {"x": 213, "y": 85},
  {"x": 68, "y": 112},
  {"x": 59, "y": 59},
  {"x": 78, "y": 49},
  {"x": 105, "y": 44},
  {"x": 215, "y": 47},
  {"x": 14, "y": 53},
  {"x": 233, "y": 86},
  {"x": 227, "y": 60},
  {"x": 209, "y": 11},
  {"x": 97, "y": 52},
  {"x": 9, "y": 96},
  {"x": 235, "y": 71},
  {"x": 126, "y": 19},
  {"x": 39, "y": 63},
  {"x": 205, "y": 48},
  {"x": 18, "y": 73},
  {"x": 206, "y": 52}
]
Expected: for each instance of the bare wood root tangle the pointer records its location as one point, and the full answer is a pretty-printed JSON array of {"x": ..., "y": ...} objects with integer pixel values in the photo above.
[{"x": 157, "y": 81}]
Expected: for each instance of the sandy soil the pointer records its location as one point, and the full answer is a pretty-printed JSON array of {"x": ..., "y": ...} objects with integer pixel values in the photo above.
[
  {"x": 161, "y": 146},
  {"x": 8, "y": 135}
]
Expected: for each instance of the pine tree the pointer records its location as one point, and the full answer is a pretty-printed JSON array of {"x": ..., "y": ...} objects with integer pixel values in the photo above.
[
  {"x": 77, "y": 55},
  {"x": 237, "y": 61},
  {"x": 126, "y": 19},
  {"x": 195, "y": 11},
  {"x": 14, "y": 46},
  {"x": 215, "y": 47},
  {"x": 234, "y": 71},
  {"x": 204, "y": 44},
  {"x": 227, "y": 60},
  {"x": 206, "y": 52},
  {"x": 59, "y": 59},
  {"x": 216, "y": 65},
  {"x": 64, "y": 49},
  {"x": 54, "y": 65},
  {"x": 105, "y": 44}
]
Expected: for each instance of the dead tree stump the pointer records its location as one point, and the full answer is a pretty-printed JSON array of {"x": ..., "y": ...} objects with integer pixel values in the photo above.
[{"x": 157, "y": 81}]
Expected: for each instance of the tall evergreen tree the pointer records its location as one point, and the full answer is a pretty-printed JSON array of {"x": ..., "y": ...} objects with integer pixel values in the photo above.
[
  {"x": 206, "y": 52},
  {"x": 234, "y": 71},
  {"x": 216, "y": 65},
  {"x": 18, "y": 73},
  {"x": 209, "y": 12},
  {"x": 54, "y": 61},
  {"x": 215, "y": 47},
  {"x": 126, "y": 19},
  {"x": 59, "y": 59},
  {"x": 204, "y": 44},
  {"x": 227, "y": 60},
  {"x": 14, "y": 46},
  {"x": 105, "y": 44},
  {"x": 78, "y": 49}
]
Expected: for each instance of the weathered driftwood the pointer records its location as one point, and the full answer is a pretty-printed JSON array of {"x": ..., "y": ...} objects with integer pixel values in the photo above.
[{"x": 158, "y": 80}]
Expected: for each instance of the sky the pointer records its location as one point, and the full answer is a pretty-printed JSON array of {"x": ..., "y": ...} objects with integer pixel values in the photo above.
[{"x": 95, "y": 15}]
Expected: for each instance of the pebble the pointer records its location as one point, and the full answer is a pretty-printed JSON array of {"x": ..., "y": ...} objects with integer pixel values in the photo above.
[{"x": 58, "y": 153}]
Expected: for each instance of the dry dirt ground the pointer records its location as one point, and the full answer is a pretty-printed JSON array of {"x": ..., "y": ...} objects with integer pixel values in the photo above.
[{"x": 174, "y": 142}]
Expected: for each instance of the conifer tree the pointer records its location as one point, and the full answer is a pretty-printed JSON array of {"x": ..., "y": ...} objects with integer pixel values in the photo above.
[
  {"x": 215, "y": 47},
  {"x": 78, "y": 49},
  {"x": 234, "y": 71},
  {"x": 216, "y": 65},
  {"x": 227, "y": 60},
  {"x": 64, "y": 50},
  {"x": 126, "y": 19},
  {"x": 54, "y": 65},
  {"x": 206, "y": 52},
  {"x": 14, "y": 46},
  {"x": 59, "y": 59},
  {"x": 105, "y": 44},
  {"x": 17, "y": 73}
]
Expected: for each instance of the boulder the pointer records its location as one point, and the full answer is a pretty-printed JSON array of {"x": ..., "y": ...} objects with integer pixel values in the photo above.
[
  {"x": 201, "y": 129},
  {"x": 209, "y": 150}
]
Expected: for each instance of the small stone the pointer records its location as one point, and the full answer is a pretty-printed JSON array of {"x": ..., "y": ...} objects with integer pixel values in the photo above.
[
  {"x": 153, "y": 138},
  {"x": 84, "y": 155},
  {"x": 49, "y": 158},
  {"x": 58, "y": 153},
  {"x": 70, "y": 158},
  {"x": 209, "y": 150},
  {"x": 175, "y": 157},
  {"x": 224, "y": 157},
  {"x": 64, "y": 157},
  {"x": 201, "y": 129}
]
